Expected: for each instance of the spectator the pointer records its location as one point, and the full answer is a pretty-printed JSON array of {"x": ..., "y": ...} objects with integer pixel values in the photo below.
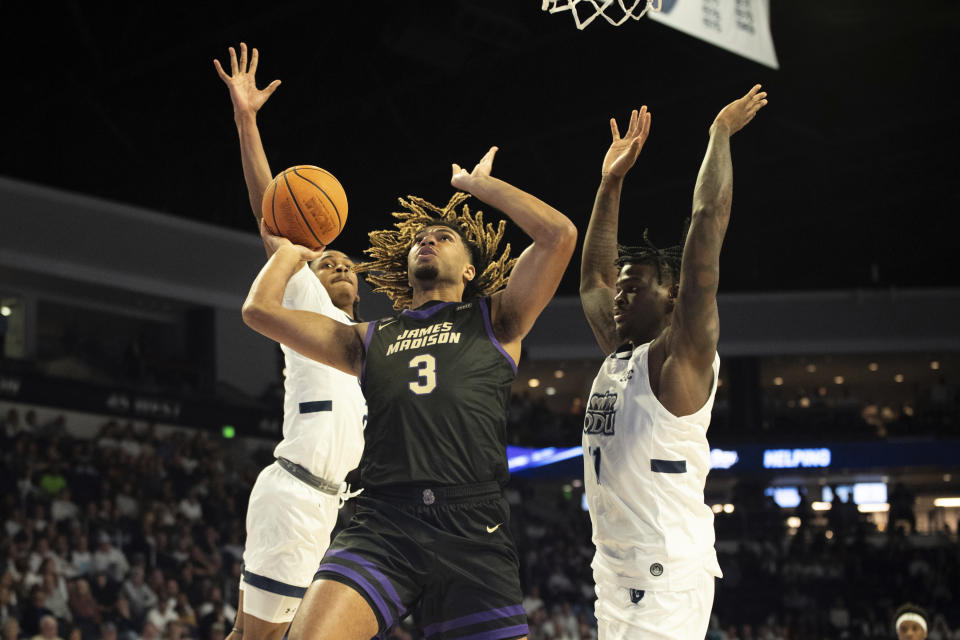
[
  {"x": 62, "y": 508},
  {"x": 191, "y": 508},
  {"x": 80, "y": 558},
  {"x": 150, "y": 632},
  {"x": 48, "y": 629},
  {"x": 10, "y": 629},
  {"x": 163, "y": 613},
  {"x": 56, "y": 601},
  {"x": 532, "y": 602},
  {"x": 8, "y": 602},
  {"x": 33, "y": 611},
  {"x": 122, "y": 618},
  {"x": 52, "y": 480},
  {"x": 109, "y": 559},
  {"x": 140, "y": 596},
  {"x": 86, "y": 612}
]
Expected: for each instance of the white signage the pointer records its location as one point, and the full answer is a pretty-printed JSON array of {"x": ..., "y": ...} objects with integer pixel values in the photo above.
[{"x": 740, "y": 26}]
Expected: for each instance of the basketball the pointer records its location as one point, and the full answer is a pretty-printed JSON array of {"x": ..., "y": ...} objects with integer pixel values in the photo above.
[{"x": 306, "y": 205}]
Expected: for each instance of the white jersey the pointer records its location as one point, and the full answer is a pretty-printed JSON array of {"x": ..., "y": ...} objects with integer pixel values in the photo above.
[
  {"x": 644, "y": 473},
  {"x": 323, "y": 408}
]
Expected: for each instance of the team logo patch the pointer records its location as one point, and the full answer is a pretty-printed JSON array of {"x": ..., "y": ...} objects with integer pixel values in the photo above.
[
  {"x": 601, "y": 414},
  {"x": 428, "y": 497},
  {"x": 656, "y": 569},
  {"x": 636, "y": 595}
]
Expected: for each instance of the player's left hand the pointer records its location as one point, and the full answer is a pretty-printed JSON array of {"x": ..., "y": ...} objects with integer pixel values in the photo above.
[
  {"x": 738, "y": 113},
  {"x": 274, "y": 243},
  {"x": 466, "y": 181}
]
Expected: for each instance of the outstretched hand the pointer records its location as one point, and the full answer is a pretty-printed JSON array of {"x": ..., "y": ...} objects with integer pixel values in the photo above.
[
  {"x": 273, "y": 243},
  {"x": 623, "y": 152},
  {"x": 461, "y": 179},
  {"x": 738, "y": 113},
  {"x": 242, "y": 81}
]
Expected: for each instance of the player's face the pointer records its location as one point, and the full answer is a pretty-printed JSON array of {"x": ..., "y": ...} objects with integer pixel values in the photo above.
[
  {"x": 333, "y": 268},
  {"x": 438, "y": 254},
  {"x": 910, "y": 630},
  {"x": 641, "y": 304}
]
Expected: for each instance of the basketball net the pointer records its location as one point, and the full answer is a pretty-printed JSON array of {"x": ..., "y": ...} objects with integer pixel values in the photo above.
[{"x": 628, "y": 8}]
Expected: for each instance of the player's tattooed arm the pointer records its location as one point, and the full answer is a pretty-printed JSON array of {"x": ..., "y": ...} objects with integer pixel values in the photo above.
[
  {"x": 539, "y": 268},
  {"x": 695, "y": 328},
  {"x": 598, "y": 270},
  {"x": 247, "y": 100},
  {"x": 311, "y": 334}
]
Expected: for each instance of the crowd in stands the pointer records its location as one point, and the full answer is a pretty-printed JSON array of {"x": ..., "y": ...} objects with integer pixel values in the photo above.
[
  {"x": 139, "y": 534},
  {"x": 128, "y": 535},
  {"x": 838, "y": 579}
]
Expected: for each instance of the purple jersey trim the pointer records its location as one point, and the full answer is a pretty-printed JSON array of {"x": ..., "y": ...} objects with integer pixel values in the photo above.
[
  {"x": 474, "y": 618},
  {"x": 363, "y": 584},
  {"x": 366, "y": 347},
  {"x": 373, "y": 571},
  {"x": 421, "y": 314},
  {"x": 486, "y": 323}
]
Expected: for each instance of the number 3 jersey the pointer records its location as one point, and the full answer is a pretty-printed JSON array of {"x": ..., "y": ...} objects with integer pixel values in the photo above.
[
  {"x": 644, "y": 473},
  {"x": 437, "y": 384}
]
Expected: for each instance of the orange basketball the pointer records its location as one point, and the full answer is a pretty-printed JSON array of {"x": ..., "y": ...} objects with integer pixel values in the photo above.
[{"x": 306, "y": 205}]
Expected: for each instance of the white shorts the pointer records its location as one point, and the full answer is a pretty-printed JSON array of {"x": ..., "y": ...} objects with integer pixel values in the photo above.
[
  {"x": 288, "y": 531},
  {"x": 629, "y": 614}
]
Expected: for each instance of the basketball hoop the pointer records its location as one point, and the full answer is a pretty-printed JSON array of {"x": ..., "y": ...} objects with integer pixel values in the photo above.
[{"x": 599, "y": 8}]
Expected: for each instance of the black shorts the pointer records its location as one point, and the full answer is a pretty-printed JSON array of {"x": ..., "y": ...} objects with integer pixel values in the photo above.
[{"x": 444, "y": 554}]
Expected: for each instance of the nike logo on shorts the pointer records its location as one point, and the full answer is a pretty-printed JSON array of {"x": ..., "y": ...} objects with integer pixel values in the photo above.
[{"x": 492, "y": 529}]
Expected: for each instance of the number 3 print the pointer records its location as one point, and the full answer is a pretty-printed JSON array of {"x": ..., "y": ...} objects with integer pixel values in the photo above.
[{"x": 426, "y": 366}]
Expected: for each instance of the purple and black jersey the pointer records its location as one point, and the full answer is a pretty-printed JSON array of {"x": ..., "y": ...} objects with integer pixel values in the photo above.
[{"x": 437, "y": 385}]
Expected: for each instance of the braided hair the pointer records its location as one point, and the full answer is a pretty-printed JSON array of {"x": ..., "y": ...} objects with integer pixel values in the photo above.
[
  {"x": 387, "y": 271},
  {"x": 668, "y": 259}
]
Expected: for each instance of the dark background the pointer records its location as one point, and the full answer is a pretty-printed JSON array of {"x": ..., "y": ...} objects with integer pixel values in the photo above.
[{"x": 846, "y": 179}]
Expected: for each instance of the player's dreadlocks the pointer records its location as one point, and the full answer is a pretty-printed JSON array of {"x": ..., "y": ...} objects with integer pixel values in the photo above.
[
  {"x": 387, "y": 272},
  {"x": 668, "y": 259}
]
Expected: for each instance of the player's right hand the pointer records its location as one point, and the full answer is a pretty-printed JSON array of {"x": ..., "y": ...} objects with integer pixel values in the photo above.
[
  {"x": 242, "y": 81},
  {"x": 623, "y": 152},
  {"x": 274, "y": 243}
]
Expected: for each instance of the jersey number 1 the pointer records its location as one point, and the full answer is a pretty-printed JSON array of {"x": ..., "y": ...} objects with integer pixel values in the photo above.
[
  {"x": 426, "y": 366},
  {"x": 596, "y": 461}
]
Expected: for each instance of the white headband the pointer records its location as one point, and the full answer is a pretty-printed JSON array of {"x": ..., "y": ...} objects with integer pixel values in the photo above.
[{"x": 912, "y": 617}]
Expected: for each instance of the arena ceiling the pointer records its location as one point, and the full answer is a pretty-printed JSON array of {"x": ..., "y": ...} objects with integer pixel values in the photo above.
[{"x": 847, "y": 179}]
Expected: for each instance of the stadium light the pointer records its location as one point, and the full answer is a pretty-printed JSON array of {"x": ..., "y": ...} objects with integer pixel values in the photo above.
[
  {"x": 5, "y": 311},
  {"x": 534, "y": 383},
  {"x": 882, "y": 507},
  {"x": 717, "y": 508},
  {"x": 947, "y": 502},
  {"x": 821, "y": 506},
  {"x": 793, "y": 522},
  {"x": 728, "y": 508}
]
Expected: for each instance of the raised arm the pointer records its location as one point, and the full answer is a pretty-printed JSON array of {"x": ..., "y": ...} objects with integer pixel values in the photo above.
[
  {"x": 541, "y": 265},
  {"x": 311, "y": 334},
  {"x": 598, "y": 271},
  {"x": 695, "y": 327},
  {"x": 247, "y": 100}
]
